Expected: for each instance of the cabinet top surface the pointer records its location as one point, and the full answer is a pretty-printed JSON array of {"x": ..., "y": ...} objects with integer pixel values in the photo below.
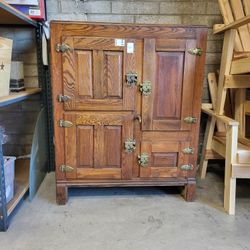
[{"x": 109, "y": 24}]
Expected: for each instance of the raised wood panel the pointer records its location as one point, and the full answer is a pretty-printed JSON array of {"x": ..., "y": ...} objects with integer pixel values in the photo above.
[
  {"x": 164, "y": 159},
  {"x": 96, "y": 141},
  {"x": 112, "y": 144},
  {"x": 168, "y": 89},
  {"x": 113, "y": 73},
  {"x": 94, "y": 73},
  {"x": 98, "y": 74},
  {"x": 169, "y": 67},
  {"x": 85, "y": 146},
  {"x": 84, "y": 73}
]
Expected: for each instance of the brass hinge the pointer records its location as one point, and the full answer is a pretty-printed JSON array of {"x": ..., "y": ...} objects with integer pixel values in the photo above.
[
  {"x": 143, "y": 159},
  {"x": 63, "y": 98},
  {"x": 65, "y": 124},
  {"x": 131, "y": 78},
  {"x": 146, "y": 88},
  {"x": 190, "y": 120},
  {"x": 130, "y": 145},
  {"x": 188, "y": 151},
  {"x": 66, "y": 169},
  {"x": 195, "y": 51},
  {"x": 187, "y": 167},
  {"x": 63, "y": 47}
]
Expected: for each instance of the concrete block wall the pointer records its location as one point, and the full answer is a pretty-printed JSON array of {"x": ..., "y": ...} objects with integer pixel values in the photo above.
[{"x": 203, "y": 12}]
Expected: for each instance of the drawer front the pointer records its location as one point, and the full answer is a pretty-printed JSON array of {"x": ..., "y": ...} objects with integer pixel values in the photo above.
[{"x": 166, "y": 159}]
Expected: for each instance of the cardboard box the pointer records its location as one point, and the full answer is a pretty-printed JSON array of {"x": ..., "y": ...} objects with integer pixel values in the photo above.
[
  {"x": 36, "y": 12},
  {"x": 5, "y": 64}
]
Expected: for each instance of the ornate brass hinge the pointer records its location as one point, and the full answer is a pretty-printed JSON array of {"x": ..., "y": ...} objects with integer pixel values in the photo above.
[
  {"x": 63, "y": 47},
  {"x": 195, "y": 51},
  {"x": 131, "y": 78},
  {"x": 63, "y": 98},
  {"x": 188, "y": 151},
  {"x": 130, "y": 145},
  {"x": 187, "y": 167},
  {"x": 66, "y": 169},
  {"x": 146, "y": 88},
  {"x": 190, "y": 119},
  {"x": 65, "y": 124},
  {"x": 143, "y": 159}
]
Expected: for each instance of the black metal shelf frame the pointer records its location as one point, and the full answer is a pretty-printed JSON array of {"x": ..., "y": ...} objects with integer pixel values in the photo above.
[{"x": 44, "y": 83}]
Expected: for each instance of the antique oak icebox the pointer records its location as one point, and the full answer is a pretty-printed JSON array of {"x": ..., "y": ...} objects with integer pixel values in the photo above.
[{"x": 126, "y": 100}]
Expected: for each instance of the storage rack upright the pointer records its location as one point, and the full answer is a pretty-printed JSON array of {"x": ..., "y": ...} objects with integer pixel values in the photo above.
[{"x": 12, "y": 17}]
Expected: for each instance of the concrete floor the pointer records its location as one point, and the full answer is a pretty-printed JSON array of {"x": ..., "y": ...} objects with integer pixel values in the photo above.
[{"x": 131, "y": 219}]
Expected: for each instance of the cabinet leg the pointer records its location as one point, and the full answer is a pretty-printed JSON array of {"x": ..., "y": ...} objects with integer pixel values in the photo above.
[
  {"x": 189, "y": 190},
  {"x": 61, "y": 194}
]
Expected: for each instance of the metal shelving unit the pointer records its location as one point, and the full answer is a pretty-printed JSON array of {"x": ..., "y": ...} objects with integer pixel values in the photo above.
[{"x": 11, "y": 16}]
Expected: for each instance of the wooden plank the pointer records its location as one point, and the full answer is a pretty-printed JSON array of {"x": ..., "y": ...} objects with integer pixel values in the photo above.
[
  {"x": 228, "y": 18},
  {"x": 21, "y": 183},
  {"x": 207, "y": 145},
  {"x": 219, "y": 148},
  {"x": 237, "y": 81},
  {"x": 213, "y": 89},
  {"x": 210, "y": 154},
  {"x": 17, "y": 97},
  {"x": 240, "y": 66},
  {"x": 244, "y": 34},
  {"x": 224, "y": 119},
  {"x": 207, "y": 105},
  {"x": 241, "y": 171},
  {"x": 234, "y": 25},
  {"x": 240, "y": 97},
  {"x": 227, "y": 55},
  {"x": 230, "y": 158}
]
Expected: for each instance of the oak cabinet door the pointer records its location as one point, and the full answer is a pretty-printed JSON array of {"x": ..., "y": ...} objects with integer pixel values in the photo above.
[
  {"x": 94, "y": 145},
  {"x": 94, "y": 73},
  {"x": 165, "y": 159},
  {"x": 171, "y": 71}
]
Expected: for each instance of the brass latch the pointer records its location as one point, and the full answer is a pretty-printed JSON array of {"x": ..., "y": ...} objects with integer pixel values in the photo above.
[
  {"x": 129, "y": 145},
  {"x": 66, "y": 169},
  {"x": 146, "y": 88},
  {"x": 195, "y": 51},
  {"x": 187, "y": 167},
  {"x": 190, "y": 120},
  {"x": 188, "y": 151},
  {"x": 131, "y": 78},
  {"x": 63, "y": 98},
  {"x": 63, "y": 47},
  {"x": 65, "y": 124},
  {"x": 143, "y": 159}
]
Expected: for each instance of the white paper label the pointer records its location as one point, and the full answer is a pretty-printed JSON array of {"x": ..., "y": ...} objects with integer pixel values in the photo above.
[
  {"x": 130, "y": 48},
  {"x": 33, "y": 12},
  {"x": 119, "y": 42}
]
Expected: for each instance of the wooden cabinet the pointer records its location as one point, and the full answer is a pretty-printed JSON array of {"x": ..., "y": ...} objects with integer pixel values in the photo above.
[{"x": 126, "y": 104}]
